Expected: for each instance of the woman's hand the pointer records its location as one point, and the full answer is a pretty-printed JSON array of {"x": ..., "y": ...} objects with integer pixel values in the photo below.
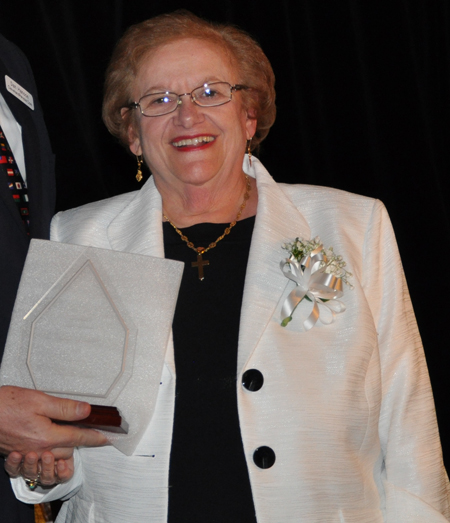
[{"x": 46, "y": 472}]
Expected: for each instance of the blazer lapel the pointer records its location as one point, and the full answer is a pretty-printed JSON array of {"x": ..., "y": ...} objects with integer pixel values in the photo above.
[
  {"x": 138, "y": 227},
  {"x": 277, "y": 221}
]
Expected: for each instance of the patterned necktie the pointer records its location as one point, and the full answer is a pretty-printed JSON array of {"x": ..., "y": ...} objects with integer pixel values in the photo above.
[{"x": 14, "y": 180}]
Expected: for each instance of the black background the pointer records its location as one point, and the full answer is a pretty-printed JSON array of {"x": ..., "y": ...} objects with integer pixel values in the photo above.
[{"x": 363, "y": 96}]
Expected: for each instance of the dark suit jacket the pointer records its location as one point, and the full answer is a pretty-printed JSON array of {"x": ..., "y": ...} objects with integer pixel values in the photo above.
[{"x": 39, "y": 162}]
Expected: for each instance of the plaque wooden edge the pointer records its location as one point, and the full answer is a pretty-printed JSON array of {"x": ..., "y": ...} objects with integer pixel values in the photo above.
[{"x": 102, "y": 417}]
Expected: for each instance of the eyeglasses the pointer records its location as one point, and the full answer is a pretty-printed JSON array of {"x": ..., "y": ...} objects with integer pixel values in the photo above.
[{"x": 208, "y": 95}]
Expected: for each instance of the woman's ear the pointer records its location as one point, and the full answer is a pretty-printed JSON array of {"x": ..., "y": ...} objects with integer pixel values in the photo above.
[
  {"x": 133, "y": 137},
  {"x": 134, "y": 144},
  {"x": 251, "y": 122}
]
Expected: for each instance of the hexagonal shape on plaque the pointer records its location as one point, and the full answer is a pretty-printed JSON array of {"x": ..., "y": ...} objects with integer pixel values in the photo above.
[{"x": 91, "y": 362}]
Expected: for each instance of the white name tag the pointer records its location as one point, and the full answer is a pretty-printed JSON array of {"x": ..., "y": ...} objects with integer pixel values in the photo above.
[{"x": 19, "y": 92}]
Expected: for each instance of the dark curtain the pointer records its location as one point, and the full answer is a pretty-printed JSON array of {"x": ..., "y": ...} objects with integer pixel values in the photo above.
[{"x": 363, "y": 105}]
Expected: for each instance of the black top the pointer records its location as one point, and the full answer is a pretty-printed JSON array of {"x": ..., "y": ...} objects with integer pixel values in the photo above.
[{"x": 208, "y": 475}]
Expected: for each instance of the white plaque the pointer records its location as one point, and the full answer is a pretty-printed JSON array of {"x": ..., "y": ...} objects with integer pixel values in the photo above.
[{"x": 93, "y": 324}]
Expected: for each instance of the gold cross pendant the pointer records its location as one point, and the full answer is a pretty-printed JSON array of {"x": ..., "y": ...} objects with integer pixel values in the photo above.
[{"x": 200, "y": 263}]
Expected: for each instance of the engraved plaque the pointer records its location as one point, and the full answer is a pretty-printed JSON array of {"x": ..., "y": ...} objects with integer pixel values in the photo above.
[{"x": 93, "y": 324}]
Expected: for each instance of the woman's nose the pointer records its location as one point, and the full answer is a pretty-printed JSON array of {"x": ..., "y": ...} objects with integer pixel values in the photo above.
[{"x": 188, "y": 113}]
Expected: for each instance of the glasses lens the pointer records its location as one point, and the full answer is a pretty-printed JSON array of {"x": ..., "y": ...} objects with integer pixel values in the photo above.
[
  {"x": 158, "y": 104},
  {"x": 216, "y": 93}
]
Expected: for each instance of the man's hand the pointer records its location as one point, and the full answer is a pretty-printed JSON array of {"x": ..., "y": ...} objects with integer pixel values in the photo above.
[{"x": 26, "y": 426}]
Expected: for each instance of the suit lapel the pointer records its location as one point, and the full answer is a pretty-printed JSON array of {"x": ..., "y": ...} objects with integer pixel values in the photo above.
[
  {"x": 20, "y": 114},
  {"x": 277, "y": 221},
  {"x": 36, "y": 167}
]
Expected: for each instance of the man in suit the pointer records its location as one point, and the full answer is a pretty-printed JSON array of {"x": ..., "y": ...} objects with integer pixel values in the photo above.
[{"x": 23, "y": 410}]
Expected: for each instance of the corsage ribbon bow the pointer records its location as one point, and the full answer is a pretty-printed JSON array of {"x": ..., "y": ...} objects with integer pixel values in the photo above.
[{"x": 313, "y": 282}]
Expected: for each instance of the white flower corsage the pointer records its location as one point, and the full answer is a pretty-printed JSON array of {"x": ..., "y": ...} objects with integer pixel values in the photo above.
[{"x": 319, "y": 275}]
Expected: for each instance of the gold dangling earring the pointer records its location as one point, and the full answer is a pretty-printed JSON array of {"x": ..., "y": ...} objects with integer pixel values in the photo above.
[
  {"x": 139, "y": 172},
  {"x": 249, "y": 151}
]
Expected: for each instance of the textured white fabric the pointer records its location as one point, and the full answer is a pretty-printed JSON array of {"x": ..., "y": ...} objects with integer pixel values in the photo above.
[{"x": 346, "y": 407}]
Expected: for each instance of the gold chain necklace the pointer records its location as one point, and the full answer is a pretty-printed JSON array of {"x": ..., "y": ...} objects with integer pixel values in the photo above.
[{"x": 200, "y": 263}]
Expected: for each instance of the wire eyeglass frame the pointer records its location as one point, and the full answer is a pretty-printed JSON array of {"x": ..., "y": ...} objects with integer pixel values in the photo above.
[{"x": 195, "y": 94}]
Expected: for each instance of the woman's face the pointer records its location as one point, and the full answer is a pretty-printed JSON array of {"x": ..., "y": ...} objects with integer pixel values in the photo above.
[{"x": 180, "y": 67}]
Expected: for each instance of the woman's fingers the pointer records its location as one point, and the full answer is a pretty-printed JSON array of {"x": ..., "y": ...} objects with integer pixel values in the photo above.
[
  {"x": 47, "y": 475},
  {"x": 46, "y": 471},
  {"x": 53, "y": 471},
  {"x": 64, "y": 469},
  {"x": 30, "y": 466},
  {"x": 13, "y": 464}
]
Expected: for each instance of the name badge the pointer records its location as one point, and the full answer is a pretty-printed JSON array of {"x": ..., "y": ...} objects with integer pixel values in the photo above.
[{"x": 19, "y": 92}]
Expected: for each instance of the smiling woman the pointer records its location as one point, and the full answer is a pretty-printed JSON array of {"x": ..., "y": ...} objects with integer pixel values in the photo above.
[
  {"x": 326, "y": 417},
  {"x": 194, "y": 152}
]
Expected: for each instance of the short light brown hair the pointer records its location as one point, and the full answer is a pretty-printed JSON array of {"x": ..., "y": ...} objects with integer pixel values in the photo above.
[{"x": 254, "y": 69}]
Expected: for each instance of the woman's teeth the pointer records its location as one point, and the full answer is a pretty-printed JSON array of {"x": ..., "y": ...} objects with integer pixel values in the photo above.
[{"x": 194, "y": 141}]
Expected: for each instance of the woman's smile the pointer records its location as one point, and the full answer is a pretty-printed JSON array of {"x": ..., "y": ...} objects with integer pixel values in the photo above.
[{"x": 190, "y": 143}]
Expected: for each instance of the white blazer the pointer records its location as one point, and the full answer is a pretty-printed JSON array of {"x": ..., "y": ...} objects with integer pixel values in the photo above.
[{"x": 347, "y": 407}]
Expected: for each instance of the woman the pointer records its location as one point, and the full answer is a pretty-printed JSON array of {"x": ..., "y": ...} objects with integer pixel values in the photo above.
[{"x": 317, "y": 420}]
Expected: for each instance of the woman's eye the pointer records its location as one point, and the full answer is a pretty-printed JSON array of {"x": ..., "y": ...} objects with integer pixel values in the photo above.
[
  {"x": 210, "y": 93},
  {"x": 161, "y": 100}
]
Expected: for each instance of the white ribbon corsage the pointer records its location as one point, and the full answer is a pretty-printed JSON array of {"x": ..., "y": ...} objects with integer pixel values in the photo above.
[{"x": 319, "y": 275}]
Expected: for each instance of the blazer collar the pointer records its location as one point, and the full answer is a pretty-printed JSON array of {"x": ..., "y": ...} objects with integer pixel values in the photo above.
[{"x": 138, "y": 229}]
